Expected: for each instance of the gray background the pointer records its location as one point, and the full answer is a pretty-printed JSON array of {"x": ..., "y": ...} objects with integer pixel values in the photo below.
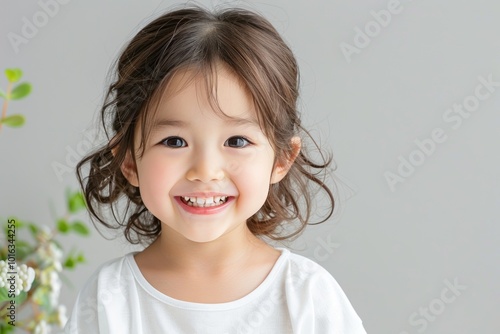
[{"x": 393, "y": 252}]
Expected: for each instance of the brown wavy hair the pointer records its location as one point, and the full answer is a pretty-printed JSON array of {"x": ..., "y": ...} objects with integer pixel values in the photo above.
[{"x": 195, "y": 38}]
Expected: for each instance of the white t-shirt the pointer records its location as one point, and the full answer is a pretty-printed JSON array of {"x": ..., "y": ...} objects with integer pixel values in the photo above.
[{"x": 298, "y": 296}]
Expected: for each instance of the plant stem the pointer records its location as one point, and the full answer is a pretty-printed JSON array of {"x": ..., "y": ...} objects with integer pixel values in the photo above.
[
  {"x": 6, "y": 103},
  {"x": 3, "y": 305}
]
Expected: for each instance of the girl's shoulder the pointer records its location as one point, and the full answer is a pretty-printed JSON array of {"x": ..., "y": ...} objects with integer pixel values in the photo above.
[
  {"x": 302, "y": 268},
  {"x": 108, "y": 280},
  {"x": 314, "y": 299},
  {"x": 110, "y": 268},
  {"x": 106, "y": 287}
]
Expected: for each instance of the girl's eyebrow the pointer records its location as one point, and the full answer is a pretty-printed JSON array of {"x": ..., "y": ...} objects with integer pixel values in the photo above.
[
  {"x": 241, "y": 121},
  {"x": 234, "y": 121},
  {"x": 160, "y": 123}
]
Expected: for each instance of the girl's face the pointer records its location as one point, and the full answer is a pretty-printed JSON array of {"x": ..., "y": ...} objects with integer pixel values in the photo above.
[{"x": 203, "y": 175}]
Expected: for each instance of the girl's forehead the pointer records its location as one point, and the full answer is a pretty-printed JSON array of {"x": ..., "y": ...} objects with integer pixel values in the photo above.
[
  {"x": 190, "y": 92},
  {"x": 204, "y": 79}
]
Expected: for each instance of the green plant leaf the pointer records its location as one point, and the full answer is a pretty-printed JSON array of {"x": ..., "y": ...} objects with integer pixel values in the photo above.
[
  {"x": 7, "y": 225},
  {"x": 3, "y": 295},
  {"x": 6, "y": 328},
  {"x": 76, "y": 202},
  {"x": 63, "y": 226},
  {"x": 18, "y": 222},
  {"x": 80, "y": 258},
  {"x": 20, "y": 91},
  {"x": 33, "y": 229},
  {"x": 23, "y": 250},
  {"x": 22, "y": 243},
  {"x": 14, "y": 121},
  {"x": 70, "y": 263},
  {"x": 13, "y": 74},
  {"x": 80, "y": 228},
  {"x": 3, "y": 94},
  {"x": 21, "y": 297},
  {"x": 41, "y": 296}
]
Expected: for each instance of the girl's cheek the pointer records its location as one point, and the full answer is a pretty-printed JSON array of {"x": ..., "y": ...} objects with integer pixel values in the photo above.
[
  {"x": 234, "y": 167},
  {"x": 238, "y": 162}
]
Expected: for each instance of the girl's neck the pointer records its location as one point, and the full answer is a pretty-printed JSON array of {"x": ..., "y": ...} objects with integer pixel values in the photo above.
[
  {"x": 227, "y": 253},
  {"x": 212, "y": 272}
]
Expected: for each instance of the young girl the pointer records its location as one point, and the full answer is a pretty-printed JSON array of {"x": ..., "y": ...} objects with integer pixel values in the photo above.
[{"x": 205, "y": 162}]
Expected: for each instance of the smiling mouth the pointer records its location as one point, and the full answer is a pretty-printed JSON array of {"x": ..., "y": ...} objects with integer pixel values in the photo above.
[{"x": 204, "y": 202}]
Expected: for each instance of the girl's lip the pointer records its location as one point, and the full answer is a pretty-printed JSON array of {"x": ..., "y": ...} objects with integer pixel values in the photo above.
[{"x": 209, "y": 210}]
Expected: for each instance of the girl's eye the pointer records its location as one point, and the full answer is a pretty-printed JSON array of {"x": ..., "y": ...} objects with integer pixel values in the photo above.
[
  {"x": 174, "y": 142},
  {"x": 238, "y": 142}
]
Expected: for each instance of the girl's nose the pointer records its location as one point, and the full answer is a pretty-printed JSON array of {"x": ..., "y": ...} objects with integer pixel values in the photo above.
[{"x": 206, "y": 167}]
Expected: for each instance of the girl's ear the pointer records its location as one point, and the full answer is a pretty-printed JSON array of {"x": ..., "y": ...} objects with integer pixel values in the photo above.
[
  {"x": 128, "y": 166},
  {"x": 129, "y": 170},
  {"x": 282, "y": 167}
]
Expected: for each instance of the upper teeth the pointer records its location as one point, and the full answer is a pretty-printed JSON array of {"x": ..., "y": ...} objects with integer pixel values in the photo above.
[{"x": 199, "y": 201}]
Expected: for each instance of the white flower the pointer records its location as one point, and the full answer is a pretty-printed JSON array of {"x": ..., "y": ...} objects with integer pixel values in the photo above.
[
  {"x": 45, "y": 277},
  {"x": 61, "y": 317},
  {"x": 26, "y": 275},
  {"x": 41, "y": 328},
  {"x": 51, "y": 279},
  {"x": 22, "y": 276},
  {"x": 3, "y": 274},
  {"x": 50, "y": 255},
  {"x": 57, "y": 266},
  {"x": 55, "y": 287},
  {"x": 54, "y": 251}
]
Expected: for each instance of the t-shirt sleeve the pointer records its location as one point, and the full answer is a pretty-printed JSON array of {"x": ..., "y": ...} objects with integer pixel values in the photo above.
[
  {"x": 102, "y": 303},
  {"x": 84, "y": 317},
  {"x": 317, "y": 303}
]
